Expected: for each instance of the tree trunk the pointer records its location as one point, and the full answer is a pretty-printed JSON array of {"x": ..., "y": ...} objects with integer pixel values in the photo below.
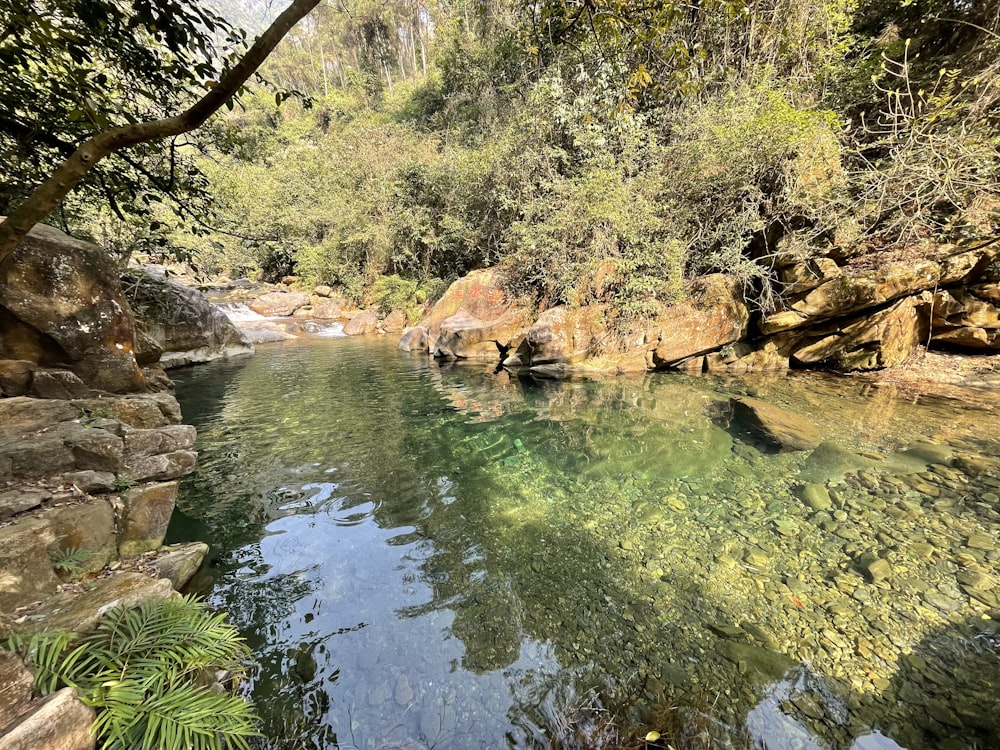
[
  {"x": 69, "y": 174},
  {"x": 340, "y": 69},
  {"x": 423, "y": 53},
  {"x": 322, "y": 62},
  {"x": 413, "y": 52}
]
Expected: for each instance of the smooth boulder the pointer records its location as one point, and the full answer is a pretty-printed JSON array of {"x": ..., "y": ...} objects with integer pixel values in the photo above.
[
  {"x": 464, "y": 336},
  {"x": 181, "y": 322},
  {"x": 279, "y": 304},
  {"x": 61, "y": 304},
  {"x": 362, "y": 324}
]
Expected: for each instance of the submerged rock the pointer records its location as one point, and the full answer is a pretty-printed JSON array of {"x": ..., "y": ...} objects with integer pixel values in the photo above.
[
  {"x": 767, "y": 664},
  {"x": 816, "y": 496},
  {"x": 784, "y": 429},
  {"x": 831, "y": 461}
]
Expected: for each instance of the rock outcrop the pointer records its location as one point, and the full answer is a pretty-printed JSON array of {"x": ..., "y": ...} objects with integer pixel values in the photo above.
[
  {"x": 715, "y": 315},
  {"x": 61, "y": 305},
  {"x": 882, "y": 339},
  {"x": 183, "y": 326},
  {"x": 91, "y": 448},
  {"x": 850, "y": 291},
  {"x": 474, "y": 319},
  {"x": 966, "y": 318},
  {"x": 477, "y": 319},
  {"x": 91, "y": 477},
  {"x": 464, "y": 336},
  {"x": 563, "y": 335}
]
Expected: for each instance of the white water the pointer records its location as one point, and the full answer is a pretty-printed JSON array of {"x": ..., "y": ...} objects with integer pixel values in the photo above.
[
  {"x": 239, "y": 312},
  {"x": 324, "y": 330}
]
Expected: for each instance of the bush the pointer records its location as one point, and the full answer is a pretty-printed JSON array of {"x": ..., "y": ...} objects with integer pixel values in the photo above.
[
  {"x": 650, "y": 200},
  {"x": 748, "y": 165},
  {"x": 596, "y": 237},
  {"x": 928, "y": 167},
  {"x": 143, "y": 669}
]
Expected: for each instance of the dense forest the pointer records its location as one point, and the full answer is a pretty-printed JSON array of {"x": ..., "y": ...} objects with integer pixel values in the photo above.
[{"x": 596, "y": 150}]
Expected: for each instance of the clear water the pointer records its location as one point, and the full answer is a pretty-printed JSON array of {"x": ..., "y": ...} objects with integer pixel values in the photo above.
[{"x": 435, "y": 556}]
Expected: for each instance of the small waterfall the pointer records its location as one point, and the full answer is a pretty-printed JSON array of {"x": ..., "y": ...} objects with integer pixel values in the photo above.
[
  {"x": 324, "y": 330},
  {"x": 238, "y": 312}
]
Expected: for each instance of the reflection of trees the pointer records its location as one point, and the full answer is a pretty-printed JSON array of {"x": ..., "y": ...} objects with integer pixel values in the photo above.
[
  {"x": 285, "y": 666},
  {"x": 504, "y": 482}
]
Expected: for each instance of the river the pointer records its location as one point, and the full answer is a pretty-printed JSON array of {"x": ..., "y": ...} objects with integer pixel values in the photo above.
[{"x": 428, "y": 555}]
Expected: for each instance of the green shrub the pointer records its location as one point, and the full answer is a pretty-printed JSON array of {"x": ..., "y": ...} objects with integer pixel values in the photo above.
[
  {"x": 750, "y": 165},
  {"x": 393, "y": 293},
  {"x": 596, "y": 237},
  {"x": 143, "y": 669}
]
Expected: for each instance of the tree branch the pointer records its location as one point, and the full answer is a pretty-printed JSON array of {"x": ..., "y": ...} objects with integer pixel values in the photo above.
[{"x": 69, "y": 174}]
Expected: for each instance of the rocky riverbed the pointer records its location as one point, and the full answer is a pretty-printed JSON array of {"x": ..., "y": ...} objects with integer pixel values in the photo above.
[{"x": 483, "y": 552}]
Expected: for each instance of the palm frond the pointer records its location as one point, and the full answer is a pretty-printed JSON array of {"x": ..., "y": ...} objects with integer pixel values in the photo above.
[{"x": 140, "y": 669}]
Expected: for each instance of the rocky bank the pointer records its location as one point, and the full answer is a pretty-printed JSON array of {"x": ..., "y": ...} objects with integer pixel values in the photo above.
[
  {"x": 92, "y": 448},
  {"x": 843, "y": 315}
]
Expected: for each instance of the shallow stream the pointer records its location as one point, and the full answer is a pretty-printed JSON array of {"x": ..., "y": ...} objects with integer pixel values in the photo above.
[{"x": 440, "y": 556}]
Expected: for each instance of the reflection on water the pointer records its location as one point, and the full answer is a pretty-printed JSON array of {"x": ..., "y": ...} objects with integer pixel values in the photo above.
[{"x": 431, "y": 556}]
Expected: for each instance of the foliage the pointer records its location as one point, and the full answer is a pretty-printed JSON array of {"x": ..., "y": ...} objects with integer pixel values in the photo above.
[
  {"x": 73, "y": 68},
  {"x": 650, "y": 199},
  {"x": 393, "y": 292},
  {"x": 929, "y": 167},
  {"x": 599, "y": 150},
  {"x": 749, "y": 165},
  {"x": 672, "y": 52},
  {"x": 68, "y": 559},
  {"x": 143, "y": 669}
]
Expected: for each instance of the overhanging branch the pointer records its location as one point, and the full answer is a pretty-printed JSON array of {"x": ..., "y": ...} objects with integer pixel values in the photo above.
[{"x": 69, "y": 174}]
